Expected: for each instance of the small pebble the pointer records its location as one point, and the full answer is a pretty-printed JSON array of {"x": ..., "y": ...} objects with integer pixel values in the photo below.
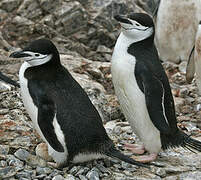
[
  {"x": 22, "y": 154},
  {"x": 82, "y": 177},
  {"x": 69, "y": 177},
  {"x": 45, "y": 170},
  {"x": 93, "y": 175},
  {"x": 4, "y": 149},
  {"x": 58, "y": 177}
]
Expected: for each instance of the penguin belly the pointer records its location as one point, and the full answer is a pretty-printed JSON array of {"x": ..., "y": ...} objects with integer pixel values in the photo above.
[
  {"x": 133, "y": 105},
  {"x": 176, "y": 27},
  {"x": 32, "y": 110}
]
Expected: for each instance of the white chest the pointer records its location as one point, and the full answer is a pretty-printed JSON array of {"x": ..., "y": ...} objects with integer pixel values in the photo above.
[{"x": 26, "y": 97}]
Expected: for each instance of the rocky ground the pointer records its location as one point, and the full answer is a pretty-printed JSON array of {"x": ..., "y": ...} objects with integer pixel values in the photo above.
[{"x": 84, "y": 32}]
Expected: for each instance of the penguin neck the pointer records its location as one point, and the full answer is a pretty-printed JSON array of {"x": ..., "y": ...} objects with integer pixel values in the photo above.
[
  {"x": 44, "y": 71},
  {"x": 124, "y": 42}
]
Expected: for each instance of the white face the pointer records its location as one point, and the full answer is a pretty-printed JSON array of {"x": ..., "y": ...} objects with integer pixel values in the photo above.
[
  {"x": 36, "y": 59},
  {"x": 136, "y": 31}
]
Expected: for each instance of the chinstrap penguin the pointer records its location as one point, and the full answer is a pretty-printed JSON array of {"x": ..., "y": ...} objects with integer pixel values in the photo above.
[
  {"x": 194, "y": 62},
  {"x": 143, "y": 90},
  {"x": 176, "y": 26},
  {"x": 60, "y": 109},
  {"x": 8, "y": 80}
]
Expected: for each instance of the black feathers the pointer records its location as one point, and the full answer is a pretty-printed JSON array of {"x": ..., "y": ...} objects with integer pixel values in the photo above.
[{"x": 143, "y": 19}]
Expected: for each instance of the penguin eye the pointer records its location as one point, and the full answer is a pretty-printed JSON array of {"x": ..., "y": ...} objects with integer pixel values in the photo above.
[{"x": 37, "y": 55}]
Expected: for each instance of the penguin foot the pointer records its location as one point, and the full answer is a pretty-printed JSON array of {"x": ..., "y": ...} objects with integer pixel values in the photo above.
[
  {"x": 145, "y": 158},
  {"x": 135, "y": 148},
  {"x": 53, "y": 164},
  {"x": 42, "y": 151}
]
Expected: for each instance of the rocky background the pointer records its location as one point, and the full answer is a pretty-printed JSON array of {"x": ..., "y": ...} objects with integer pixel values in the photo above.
[{"x": 85, "y": 33}]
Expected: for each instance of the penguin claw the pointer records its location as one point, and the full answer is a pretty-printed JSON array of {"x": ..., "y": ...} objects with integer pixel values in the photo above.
[
  {"x": 145, "y": 158},
  {"x": 135, "y": 148}
]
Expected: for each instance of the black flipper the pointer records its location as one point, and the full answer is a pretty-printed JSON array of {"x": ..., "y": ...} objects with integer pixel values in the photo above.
[
  {"x": 114, "y": 153},
  {"x": 190, "y": 68},
  {"x": 154, "y": 97},
  {"x": 46, "y": 115},
  {"x": 8, "y": 80}
]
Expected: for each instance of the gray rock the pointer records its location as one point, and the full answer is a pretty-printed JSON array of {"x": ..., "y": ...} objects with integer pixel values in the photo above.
[
  {"x": 70, "y": 177},
  {"x": 4, "y": 111},
  {"x": 171, "y": 178},
  {"x": 83, "y": 170},
  {"x": 190, "y": 176},
  {"x": 177, "y": 169},
  {"x": 82, "y": 177},
  {"x": 160, "y": 172},
  {"x": 49, "y": 5},
  {"x": 4, "y": 149},
  {"x": 45, "y": 170},
  {"x": 49, "y": 20},
  {"x": 9, "y": 5},
  {"x": 23, "y": 141},
  {"x": 22, "y": 154},
  {"x": 3, "y": 163},
  {"x": 182, "y": 67},
  {"x": 102, "y": 168},
  {"x": 24, "y": 174},
  {"x": 30, "y": 9},
  {"x": 22, "y": 21},
  {"x": 12, "y": 161},
  {"x": 71, "y": 16},
  {"x": 103, "y": 49},
  {"x": 74, "y": 170},
  {"x": 7, "y": 172},
  {"x": 93, "y": 175},
  {"x": 58, "y": 177}
]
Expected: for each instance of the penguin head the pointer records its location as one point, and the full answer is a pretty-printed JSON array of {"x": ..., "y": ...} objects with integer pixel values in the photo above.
[
  {"x": 39, "y": 52},
  {"x": 136, "y": 26}
]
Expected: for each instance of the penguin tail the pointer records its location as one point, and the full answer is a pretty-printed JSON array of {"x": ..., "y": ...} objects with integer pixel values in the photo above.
[
  {"x": 183, "y": 140},
  {"x": 191, "y": 144},
  {"x": 114, "y": 153}
]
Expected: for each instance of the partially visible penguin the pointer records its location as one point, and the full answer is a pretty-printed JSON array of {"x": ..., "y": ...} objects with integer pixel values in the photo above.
[
  {"x": 194, "y": 63},
  {"x": 176, "y": 26},
  {"x": 143, "y": 89},
  {"x": 60, "y": 109}
]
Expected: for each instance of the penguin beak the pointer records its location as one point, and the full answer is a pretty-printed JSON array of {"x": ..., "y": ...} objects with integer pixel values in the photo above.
[
  {"x": 19, "y": 54},
  {"x": 122, "y": 19}
]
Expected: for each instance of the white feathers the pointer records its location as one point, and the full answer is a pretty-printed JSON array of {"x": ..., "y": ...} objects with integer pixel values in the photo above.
[
  {"x": 176, "y": 27},
  {"x": 59, "y": 157},
  {"x": 163, "y": 105},
  {"x": 36, "y": 59},
  {"x": 84, "y": 157},
  {"x": 131, "y": 98}
]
